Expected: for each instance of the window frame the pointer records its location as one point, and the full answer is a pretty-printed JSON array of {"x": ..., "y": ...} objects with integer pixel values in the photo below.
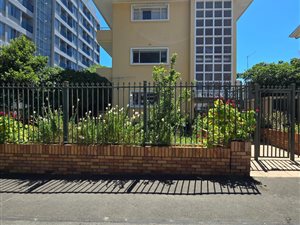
[
  {"x": 149, "y": 5},
  {"x": 141, "y": 93},
  {"x": 148, "y": 48}
]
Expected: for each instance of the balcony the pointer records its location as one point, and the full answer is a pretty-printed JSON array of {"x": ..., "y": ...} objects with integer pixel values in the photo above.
[{"x": 104, "y": 38}]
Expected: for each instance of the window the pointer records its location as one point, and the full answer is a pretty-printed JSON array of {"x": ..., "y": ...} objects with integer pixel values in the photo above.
[
  {"x": 14, "y": 11},
  {"x": 150, "y": 12},
  {"x": 137, "y": 98},
  {"x": 149, "y": 56},
  {"x": 12, "y": 33}
]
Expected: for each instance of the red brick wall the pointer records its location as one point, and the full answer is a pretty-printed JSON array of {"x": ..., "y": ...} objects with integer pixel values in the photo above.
[
  {"x": 118, "y": 160},
  {"x": 280, "y": 139}
]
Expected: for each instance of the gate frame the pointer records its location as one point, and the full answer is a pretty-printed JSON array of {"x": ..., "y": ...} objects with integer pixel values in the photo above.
[{"x": 291, "y": 113}]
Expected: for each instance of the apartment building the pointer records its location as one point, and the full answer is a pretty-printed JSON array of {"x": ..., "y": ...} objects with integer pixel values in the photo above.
[
  {"x": 63, "y": 30},
  {"x": 145, "y": 33}
]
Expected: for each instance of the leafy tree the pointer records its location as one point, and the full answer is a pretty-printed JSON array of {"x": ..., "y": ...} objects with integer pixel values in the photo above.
[
  {"x": 93, "y": 68},
  {"x": 281, "y": 73},
  {"x": 18, "y": 62}
]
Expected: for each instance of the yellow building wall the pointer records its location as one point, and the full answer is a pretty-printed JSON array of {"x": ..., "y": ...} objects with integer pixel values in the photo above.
[
  {"x": 177, "y": 34},
  {"x": 174, "y": 34}
]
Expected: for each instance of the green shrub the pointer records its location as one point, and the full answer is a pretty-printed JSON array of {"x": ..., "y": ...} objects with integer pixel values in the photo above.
[
  {"x": 165, "y": 117},
  {"x": 224, "y": 123},
  {"x": 49, "y": 126},
  {"x": 13, "y": 131}
]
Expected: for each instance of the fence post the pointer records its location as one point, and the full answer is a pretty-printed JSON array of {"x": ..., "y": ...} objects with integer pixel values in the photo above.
[
  {"x": 293, "y": 115},
  {"x": 258, "y": 118},
  {"x": 145, "y": 112},
  {"x": 66, "y": 107}
]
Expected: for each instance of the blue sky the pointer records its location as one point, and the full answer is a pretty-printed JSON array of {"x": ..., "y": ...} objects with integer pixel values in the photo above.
[{"x": 263, "y": 33}]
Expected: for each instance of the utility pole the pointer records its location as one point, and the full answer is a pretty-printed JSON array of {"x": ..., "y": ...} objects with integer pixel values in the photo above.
[{"x": 248, "y": 56}]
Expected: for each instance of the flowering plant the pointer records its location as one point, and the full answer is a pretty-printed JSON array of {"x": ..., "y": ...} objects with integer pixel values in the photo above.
[
  {"x": 115, "y": 126},
  {"x": 224, "y": 123}
]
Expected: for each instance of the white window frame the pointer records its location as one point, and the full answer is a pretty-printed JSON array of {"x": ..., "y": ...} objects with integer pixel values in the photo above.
[
  {"x": 147, "y": 49},
  {"x": 141, "y": 6}
]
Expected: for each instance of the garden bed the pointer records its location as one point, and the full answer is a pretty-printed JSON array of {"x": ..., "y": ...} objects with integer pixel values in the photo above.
[{"x": 124, "y": 160}]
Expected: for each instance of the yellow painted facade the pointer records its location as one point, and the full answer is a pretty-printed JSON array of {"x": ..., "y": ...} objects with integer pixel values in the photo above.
[{"x": 178, "y": 34}]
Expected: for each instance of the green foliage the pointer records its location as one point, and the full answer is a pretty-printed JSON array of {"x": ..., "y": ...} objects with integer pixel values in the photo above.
[
  {"x": 282, "y": 73},
  {"x": 50, "y": 75},
  {"x": 274, "y": 120},
  {"x": 165, "y": 118},
  {"x": 49, "y": 126},
  {"x": 18, "y": 62},
  {"x": 59, "y": 75},
  {"x": 114, "y": 127},
  {"x": 277, "y": 120},
  {"x": 13, "y": 131},
  {"x": 93, "y": 68},
  {"x": 223, "y": 124}
]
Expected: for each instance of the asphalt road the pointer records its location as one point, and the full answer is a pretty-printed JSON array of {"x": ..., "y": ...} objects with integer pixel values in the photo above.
[{"x": 206, "y": 201}]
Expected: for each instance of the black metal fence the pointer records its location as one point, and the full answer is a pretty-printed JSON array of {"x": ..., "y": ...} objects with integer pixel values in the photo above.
[
  {"x": 278, "y": 121},
  {"x": 136, "y": 114},
  {"x": 152, "y": 114}
]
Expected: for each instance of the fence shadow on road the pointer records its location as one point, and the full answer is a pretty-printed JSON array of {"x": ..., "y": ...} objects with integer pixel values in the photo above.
[
  {"x": 110, "y": 185},
  {"x": 270, "y": 164}
]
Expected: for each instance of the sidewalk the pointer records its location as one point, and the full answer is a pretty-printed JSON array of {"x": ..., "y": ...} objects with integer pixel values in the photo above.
[{"x": 275, "y": 167}]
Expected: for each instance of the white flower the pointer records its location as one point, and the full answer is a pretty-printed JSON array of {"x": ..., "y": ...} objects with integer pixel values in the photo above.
[
  {"x": 78, "y": 100},
  {"x": 47, "y": 99},
  {"x": 162, "y": 119},
  {"x": 136, "y": 113},
  {"x": 109, "y": 104},
  {"x": 34, "y": 112}
]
